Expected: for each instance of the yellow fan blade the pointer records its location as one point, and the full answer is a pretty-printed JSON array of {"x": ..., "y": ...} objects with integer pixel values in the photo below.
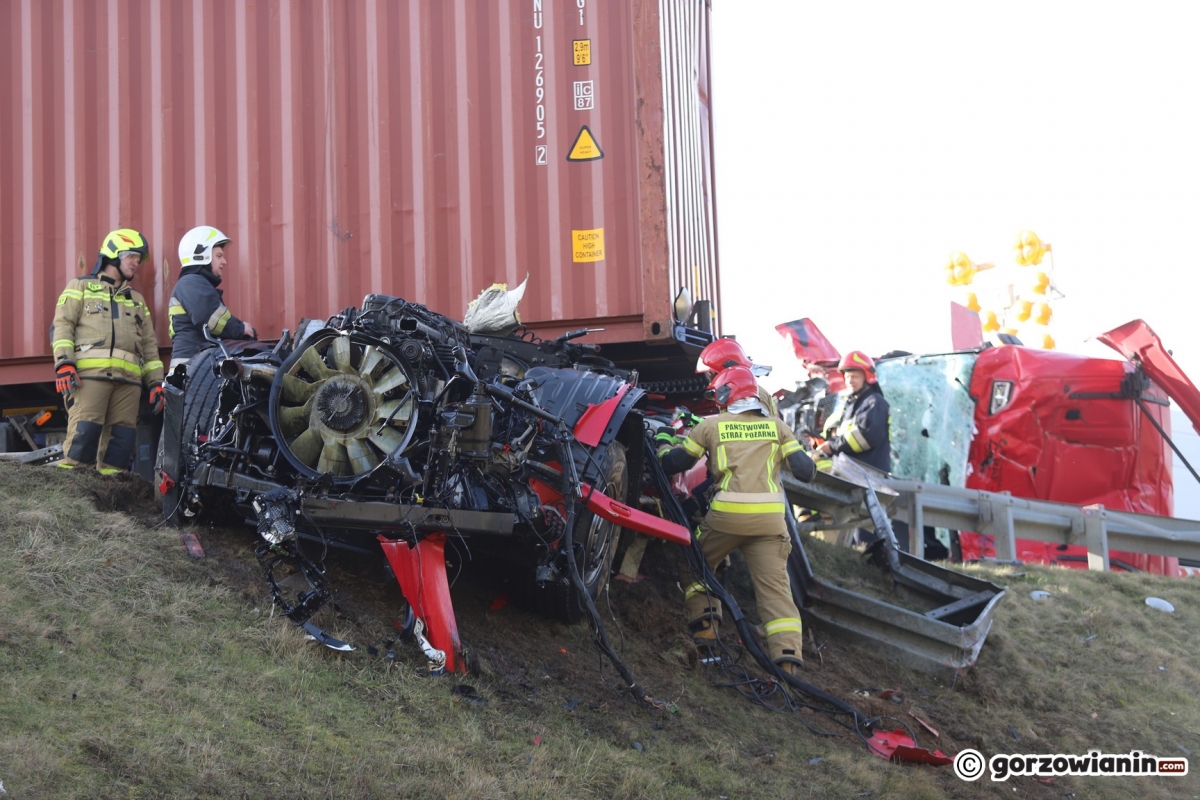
[
  {"x": 392, "y": 380},
  {"x": 340, "y": 353},
  {"x": 294, "y": 420},
  {"x": 297, "y": 391},
  {"x": 362, "y": 457},
  {"x": 314, "y": 365},
  {"x": 402, "y": 415},
  {"x": 307, "y": 447},
  {"x": 371, "y": 358},
  {"x": 334, "y": 459},
  {"x": 387, "y": 440}
]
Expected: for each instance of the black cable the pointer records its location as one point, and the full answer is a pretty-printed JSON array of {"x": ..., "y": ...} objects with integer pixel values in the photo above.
[{"x": 570, "y": 488}]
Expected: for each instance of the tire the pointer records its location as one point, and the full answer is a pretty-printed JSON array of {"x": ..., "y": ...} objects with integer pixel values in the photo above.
[
  {"x": 202, "y": 395},
  {"x": 595, "y": 546}
]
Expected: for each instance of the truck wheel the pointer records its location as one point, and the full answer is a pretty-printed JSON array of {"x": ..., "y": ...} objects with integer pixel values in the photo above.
[
  {"x": 595, "y": 546},
  {"x": 202, "y": 395}
]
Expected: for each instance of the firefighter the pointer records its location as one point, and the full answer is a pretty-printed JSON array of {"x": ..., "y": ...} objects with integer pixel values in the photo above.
[
  {"x": 104, "y": 353},
  {"x": 858, "y": 426},
  {"x": 196, "y": 303},
  {"x": 861, "y": 430},
  {"x": 721, "y": 354},
  {"x": 746, "y": 448}
]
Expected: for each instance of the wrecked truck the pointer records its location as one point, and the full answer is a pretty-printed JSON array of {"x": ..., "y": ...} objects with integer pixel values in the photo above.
[
  {"x": 1037, "y": 424},
  {"x": 388, "y": 429}
]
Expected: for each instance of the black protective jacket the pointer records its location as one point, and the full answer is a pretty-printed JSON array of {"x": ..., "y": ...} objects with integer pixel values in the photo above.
[
  {"x": 196, "y": 302},
  {"x": 863, "y": 432}
]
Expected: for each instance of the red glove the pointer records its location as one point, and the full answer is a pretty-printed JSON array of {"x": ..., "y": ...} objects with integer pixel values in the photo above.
[
  {"x": 158, "y": 397},
  {"x": 68, "y": 379}
]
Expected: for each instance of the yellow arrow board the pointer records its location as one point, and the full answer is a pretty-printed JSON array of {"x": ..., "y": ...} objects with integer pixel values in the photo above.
[{"x": 585, "y": 148}]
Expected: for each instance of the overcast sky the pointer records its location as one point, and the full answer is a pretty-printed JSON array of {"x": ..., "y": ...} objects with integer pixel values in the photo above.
[{"x": 859, "y": 144}]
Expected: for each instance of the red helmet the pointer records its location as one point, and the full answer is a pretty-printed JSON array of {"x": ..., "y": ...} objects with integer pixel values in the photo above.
[
  {"x": 722, "y": 354},
  {"x": 857, "y": 359},
  {"x": 735, "y": 383}
]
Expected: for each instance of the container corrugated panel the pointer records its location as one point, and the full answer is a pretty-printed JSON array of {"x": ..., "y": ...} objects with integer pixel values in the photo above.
[{"x": 418, "y": 149}]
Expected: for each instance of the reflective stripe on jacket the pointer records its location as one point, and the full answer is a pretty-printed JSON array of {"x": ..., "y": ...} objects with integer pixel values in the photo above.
[
  {"x": 862, "y": 430},
  {"x": 746, "y": 454},
  {"x": 107, "y": 331},
  {"x": 197, "y": 303}
]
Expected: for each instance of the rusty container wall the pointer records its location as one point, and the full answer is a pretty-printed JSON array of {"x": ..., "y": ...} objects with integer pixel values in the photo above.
[{"x": 411, "y": 148}]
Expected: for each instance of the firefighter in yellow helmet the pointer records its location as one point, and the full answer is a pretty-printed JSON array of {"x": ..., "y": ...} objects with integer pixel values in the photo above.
[
  {"x": 746, "y": 449},
  {"x": 105, "y": 352}
]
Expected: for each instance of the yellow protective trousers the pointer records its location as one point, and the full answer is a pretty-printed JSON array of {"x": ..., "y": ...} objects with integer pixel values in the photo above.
[
  {"x": 102, "y": 425},
  {"x": 766, "y": 557}
]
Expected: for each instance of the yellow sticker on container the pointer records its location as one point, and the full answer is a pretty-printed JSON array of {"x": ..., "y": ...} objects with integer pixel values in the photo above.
[
  {"x": 587, "y": 245},
  {"x": 585, "y": 148},
  {"x": 583, "y": 52}
]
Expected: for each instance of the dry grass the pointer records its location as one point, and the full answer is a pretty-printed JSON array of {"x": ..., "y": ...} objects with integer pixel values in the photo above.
[{"x": 127, "y": 670}]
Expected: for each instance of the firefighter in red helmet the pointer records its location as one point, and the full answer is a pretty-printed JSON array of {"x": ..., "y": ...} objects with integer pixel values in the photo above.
[
  {"x": 721, "y": 354},
  {"x": 859, "y": 425},
  {"x": 746, "y": 448},
  {"x": 861, "y": 429}
]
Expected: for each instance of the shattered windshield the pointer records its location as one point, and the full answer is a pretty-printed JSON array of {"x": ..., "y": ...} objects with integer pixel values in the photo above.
[{"x": 932, "y": 415}]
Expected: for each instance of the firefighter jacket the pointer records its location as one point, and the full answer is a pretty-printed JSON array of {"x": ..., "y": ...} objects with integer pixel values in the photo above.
[
  {"x": 746, "y": 453},
  {"x": 861, "y": 430},
  {"x": 195, "y": 304},
  {"x": 106, "y": 330}
]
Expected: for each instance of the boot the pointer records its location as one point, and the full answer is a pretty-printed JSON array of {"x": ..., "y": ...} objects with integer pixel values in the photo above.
[
  {"x": 704, "y": 631},
  {"x": 790, "y": 665}
]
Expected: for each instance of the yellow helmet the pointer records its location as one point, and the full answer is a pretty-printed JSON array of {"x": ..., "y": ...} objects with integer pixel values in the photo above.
[{"x": 124, "y": 240}]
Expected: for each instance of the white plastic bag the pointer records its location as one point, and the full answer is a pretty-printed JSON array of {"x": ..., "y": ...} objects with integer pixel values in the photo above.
[{"x": 495, "y": 310}]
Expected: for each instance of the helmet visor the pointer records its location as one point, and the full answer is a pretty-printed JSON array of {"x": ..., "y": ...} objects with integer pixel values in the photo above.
[{"x": 141, "y": 254}]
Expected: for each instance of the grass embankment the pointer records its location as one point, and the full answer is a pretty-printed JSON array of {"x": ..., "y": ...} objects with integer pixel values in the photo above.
[{"x": 129, "y": 670}]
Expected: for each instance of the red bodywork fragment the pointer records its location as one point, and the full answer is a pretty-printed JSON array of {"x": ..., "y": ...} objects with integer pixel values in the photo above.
[
  {"x": 965, "y": 332},
  {"x": 807, "y": 341},
  {"x": 605, "y": 507},
  {"x": 593, "y": 422},
  {"x": 899, "y": 746},
  {"x": 1135, "y": 340},
  {"x": 421, "y": 572},
  {"x": 1049, "y": 443}
]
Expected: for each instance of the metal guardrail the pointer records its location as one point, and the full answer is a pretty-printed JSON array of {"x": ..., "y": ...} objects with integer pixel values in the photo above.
[
  {"x": 957, "y": 609},
  {"x": 46, "y": 455},
  {"x": 1008, "y": 518}
]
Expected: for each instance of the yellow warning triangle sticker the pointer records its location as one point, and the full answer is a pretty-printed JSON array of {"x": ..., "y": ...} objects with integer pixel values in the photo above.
[{"x": 585, "y": 148}]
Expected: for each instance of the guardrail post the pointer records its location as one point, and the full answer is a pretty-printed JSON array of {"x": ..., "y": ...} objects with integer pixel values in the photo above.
[
  {"x": 1095, "y": 534},
  {"x": 916, "y": 525},
  {"x": 997, "y": 518}
]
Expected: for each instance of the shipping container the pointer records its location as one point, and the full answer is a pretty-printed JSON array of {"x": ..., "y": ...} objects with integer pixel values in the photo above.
[{"x": 424, "y": 149}]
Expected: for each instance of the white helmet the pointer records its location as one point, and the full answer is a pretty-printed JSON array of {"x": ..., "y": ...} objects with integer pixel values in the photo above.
[{"x": 197, "y": 245}]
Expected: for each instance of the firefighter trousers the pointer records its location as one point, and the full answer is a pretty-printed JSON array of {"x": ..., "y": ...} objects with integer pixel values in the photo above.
[
  {"x": 102, "y": 425},
  {"x": 766, "y": 557}
]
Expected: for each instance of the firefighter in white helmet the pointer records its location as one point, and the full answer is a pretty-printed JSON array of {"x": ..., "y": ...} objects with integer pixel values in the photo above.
[
  {"x": 197, "y": 303},
  {"x": 746, "y": 449}
]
